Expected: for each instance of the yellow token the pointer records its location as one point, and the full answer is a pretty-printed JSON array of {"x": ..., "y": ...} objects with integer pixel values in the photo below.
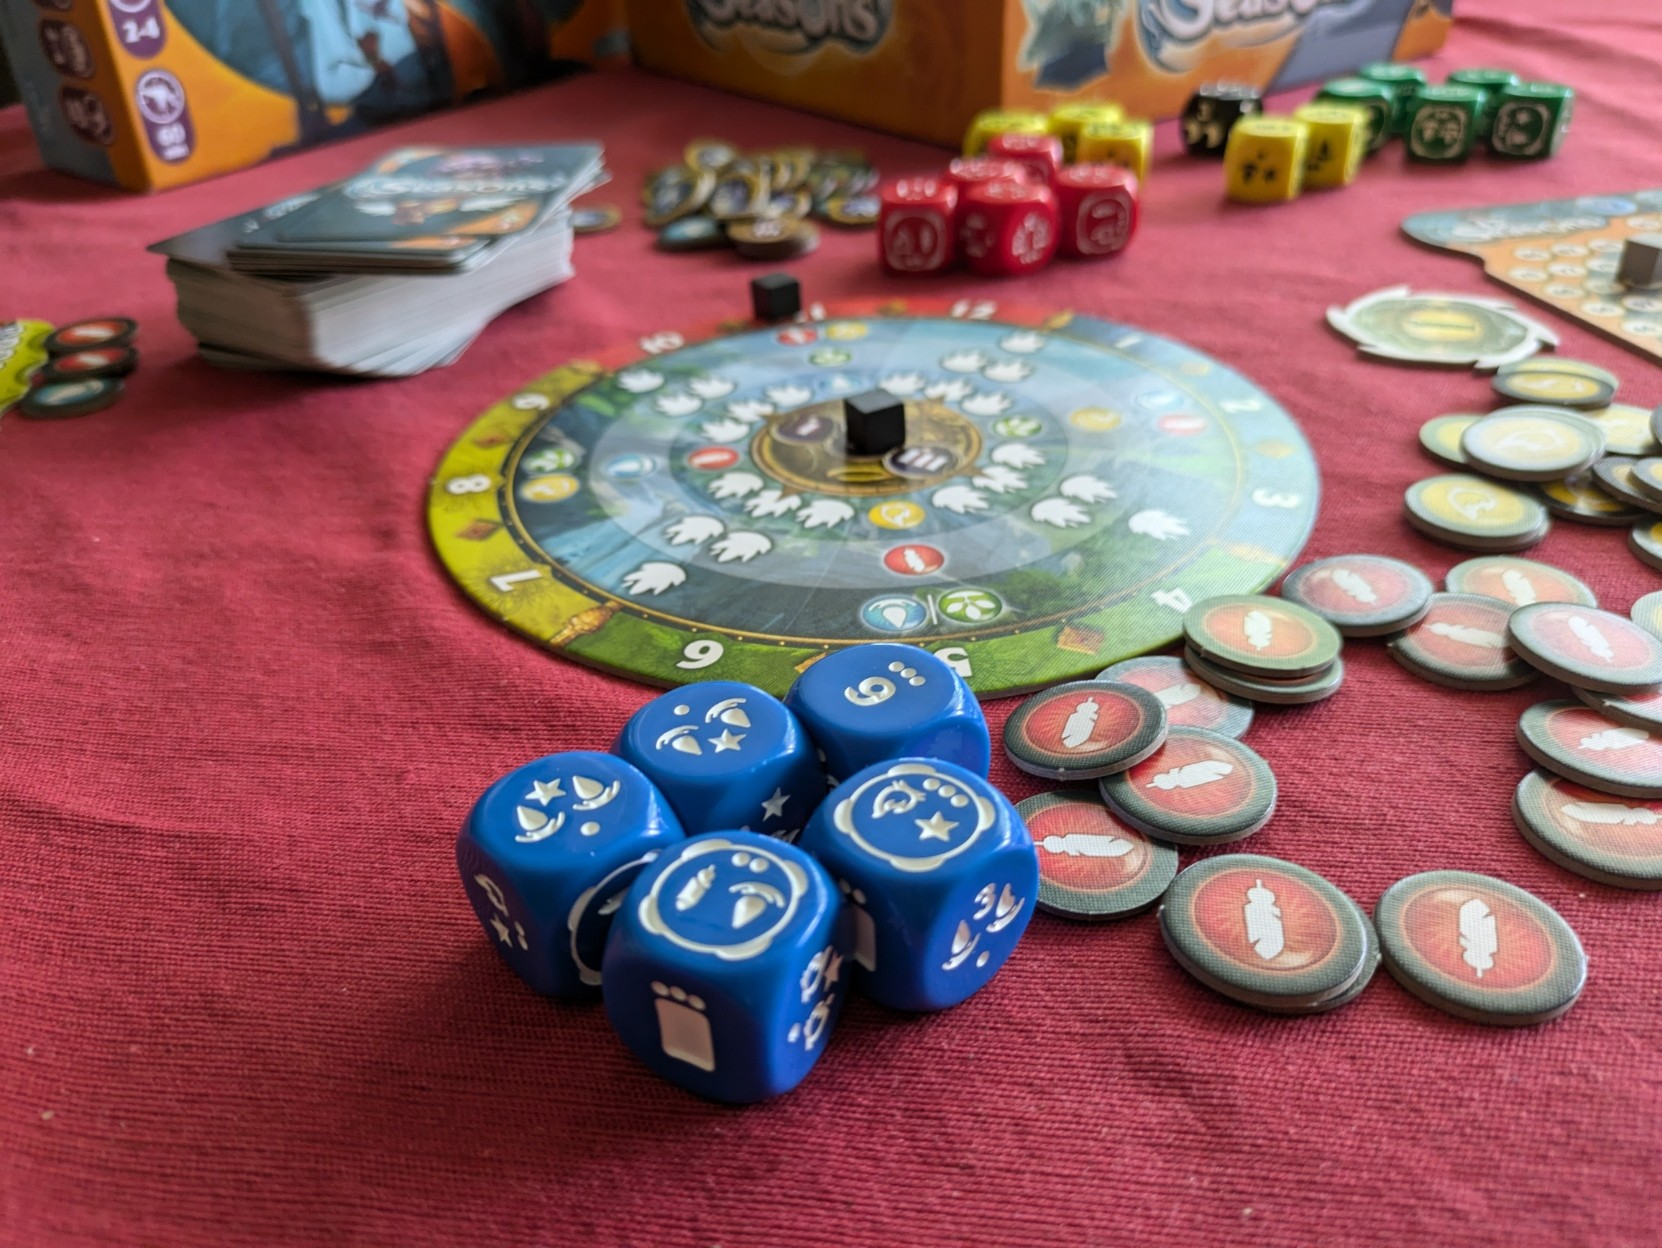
[
  {"x": 846, "y": 331},
  {"x": 1095, "y": 419},
  {"x": 556, "y": 487},
  {"x": 1470, "y": 512},
  {"x": 896, "y": 514},
  {"x": 1626, "y": 429}
]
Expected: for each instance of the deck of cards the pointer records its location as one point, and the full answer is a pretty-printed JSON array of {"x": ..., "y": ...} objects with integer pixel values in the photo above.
[{"x": 390, "y": 272}]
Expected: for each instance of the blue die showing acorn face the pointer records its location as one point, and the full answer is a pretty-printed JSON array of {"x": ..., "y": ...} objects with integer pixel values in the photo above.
[
  {"x": 726, "y": 755},
  {"x": 866, "y": 704},
  {"x": 725, "y": 969},
  {"x": 940, "y": 870},
  {"x": 547, "y": 854}
]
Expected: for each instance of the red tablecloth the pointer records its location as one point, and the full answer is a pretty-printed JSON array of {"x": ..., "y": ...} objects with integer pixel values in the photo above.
[{"x": 242, "y": 709}]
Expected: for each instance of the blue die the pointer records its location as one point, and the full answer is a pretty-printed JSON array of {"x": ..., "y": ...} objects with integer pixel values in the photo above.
[
  {"x": 546, "y": 856},
  {"x": 941, "y": 872},
  {"x": 725, "y": 968},
  {"x": 871, "y": 703},
  {"x": 726, "y": 755}
]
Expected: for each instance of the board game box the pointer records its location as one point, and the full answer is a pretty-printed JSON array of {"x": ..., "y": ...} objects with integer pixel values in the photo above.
[
  {"x": 923, "y": 68},
  {"x": 155, "y": 93}
]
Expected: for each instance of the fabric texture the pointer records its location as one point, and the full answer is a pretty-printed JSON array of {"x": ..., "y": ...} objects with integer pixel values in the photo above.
[{"x": 242, "y": 711}]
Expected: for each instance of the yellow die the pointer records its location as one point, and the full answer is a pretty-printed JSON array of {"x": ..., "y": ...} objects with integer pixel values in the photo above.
[
  {"x": 1000, "y": 121},
  {"x": 1067, "y": 120},
  {"x": 1127, "y": 143},
  {"x": 1265, "y": 159},
  {"x": 1338, "y": 141}
]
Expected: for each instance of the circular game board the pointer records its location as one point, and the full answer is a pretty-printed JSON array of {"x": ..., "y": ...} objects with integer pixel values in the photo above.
[{"x": 682, "y": 510}]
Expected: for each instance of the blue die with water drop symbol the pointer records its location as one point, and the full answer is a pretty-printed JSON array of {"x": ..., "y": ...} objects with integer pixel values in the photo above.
[
  {"x": 726, "y": 755},
  {"x": 727, "y": 965},
  {"x": 940, "y": 871},
  {"x": 870, "y": 703},
  {"x": 546, "y": 856}
]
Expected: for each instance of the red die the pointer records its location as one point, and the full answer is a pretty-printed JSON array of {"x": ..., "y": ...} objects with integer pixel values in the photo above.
[
  {"x": 915, "y": 230},
  {"x": 1098, "y": 208},
  {"x": 1039, "y": 154},
  {"x": 1007, "y": 227},
  {"x": 968, "y": 171}
]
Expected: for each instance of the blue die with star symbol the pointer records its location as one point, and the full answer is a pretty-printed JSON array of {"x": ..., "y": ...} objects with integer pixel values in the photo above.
[
  {"x": 727, "y": 965},
  {"x": 726, "y": 755},
  {"x": 868, "y": 703},
  {"x": 940, "y": 871},
  {"x": 547, "y": 854}
]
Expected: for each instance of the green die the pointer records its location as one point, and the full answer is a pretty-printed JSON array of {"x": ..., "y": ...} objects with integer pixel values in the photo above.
[
  {"x": 1403, "y": 81},
  {"x": 1373, "y": 98},
  {"x": 1489, "y": 81},
  {"x": 1443, "y": 123},
  {"x": 1530, "y": 120}
]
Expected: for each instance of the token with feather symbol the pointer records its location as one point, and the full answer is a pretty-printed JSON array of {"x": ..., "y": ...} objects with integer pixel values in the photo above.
[
  {"x": 1577, "y": 742},
  {"x": 1269, "y": 934},
  {"x": 1614, "y": 840},
  {"x": 1085, "y": 729},
  {"x": 1260, "y": 635},
  {"x": 1479, "y": 948},
  {"x": 1092, "y": 865},
  {"x": 1361, "y": 595},
  {"x": 1586, "y": 647},
  {"x": 1199, "y": 788},
  {"x": 1461, "y": 643}
]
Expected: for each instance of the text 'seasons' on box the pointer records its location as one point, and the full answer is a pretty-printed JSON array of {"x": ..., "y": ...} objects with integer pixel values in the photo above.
[
  {"x": 155, "y": 93},
  {"x": 923, "y": 68}
]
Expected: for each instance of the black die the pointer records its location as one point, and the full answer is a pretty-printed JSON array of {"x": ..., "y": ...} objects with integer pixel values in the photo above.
[{"x": 1212, "y": 111}]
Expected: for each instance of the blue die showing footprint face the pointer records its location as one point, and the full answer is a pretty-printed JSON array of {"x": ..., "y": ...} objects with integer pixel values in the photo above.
[
  {"x": 726, "y": 755},
  {"x": 548, "y": 852},
  {"x": 725, "y": 970},
  {"x": 869, "y": 703}
]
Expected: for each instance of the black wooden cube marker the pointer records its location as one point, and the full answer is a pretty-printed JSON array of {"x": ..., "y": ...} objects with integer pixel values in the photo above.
[
  {"x": 876, "y": 422},
  {"x": 775, "y": 297}
]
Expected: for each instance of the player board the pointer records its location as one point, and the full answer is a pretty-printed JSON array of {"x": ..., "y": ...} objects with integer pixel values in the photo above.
[
  {"x": 683, "y": 509},
  {"x": 1563, "y": 253}
]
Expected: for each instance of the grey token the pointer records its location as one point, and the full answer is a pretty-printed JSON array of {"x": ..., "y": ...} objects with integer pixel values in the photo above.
[{"x": 698, "y": 233}]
